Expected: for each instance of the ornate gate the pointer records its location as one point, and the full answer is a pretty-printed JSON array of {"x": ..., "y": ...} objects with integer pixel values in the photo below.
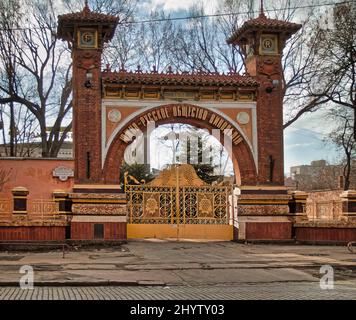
[{"x": 178, "y": 204}]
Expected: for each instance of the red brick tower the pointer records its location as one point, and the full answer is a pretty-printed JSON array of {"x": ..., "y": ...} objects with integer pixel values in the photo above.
[
  {"x": 86, "y": 33},
  {"x": 263, "y": 210},
  {"x": 262, "y": 41}
]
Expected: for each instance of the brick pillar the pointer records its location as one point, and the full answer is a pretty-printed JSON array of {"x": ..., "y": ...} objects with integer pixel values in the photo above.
[
  {"x": 87, "y": 115},
  {"x": 348, "y": 199},
  {"x": 263, "y": 213},
  {"x": 20, "y": 200},
  {"x": 262, "y": 41},
  {"x": 297, "y": 206},
  {"x": 87, "y": 32},
  {"x": 270, "y": 120}
]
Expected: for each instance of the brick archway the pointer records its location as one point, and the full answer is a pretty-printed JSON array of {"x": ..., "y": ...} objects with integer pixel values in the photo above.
[{"x": 242, "y": 157}]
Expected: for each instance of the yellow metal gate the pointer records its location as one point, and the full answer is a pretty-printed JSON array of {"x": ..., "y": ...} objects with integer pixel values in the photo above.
[{"x": 177, "y": 204}]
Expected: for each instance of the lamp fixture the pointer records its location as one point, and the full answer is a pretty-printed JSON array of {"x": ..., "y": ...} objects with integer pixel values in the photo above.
[
  {"x": 89, "y": 76},
  {"x": 274, "y": 84}
]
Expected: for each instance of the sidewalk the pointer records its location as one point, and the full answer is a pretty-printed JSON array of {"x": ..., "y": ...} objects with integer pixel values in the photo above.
[{"x": 168, "y": 263}]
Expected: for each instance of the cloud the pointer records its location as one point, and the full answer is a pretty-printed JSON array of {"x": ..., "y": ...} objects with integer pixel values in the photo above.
[
  {"x": 317, "y": 122},
  {"x": 179, "y": 5},
  {"x": 299, "y": 145},
  {"x": 171, "y": 5}
]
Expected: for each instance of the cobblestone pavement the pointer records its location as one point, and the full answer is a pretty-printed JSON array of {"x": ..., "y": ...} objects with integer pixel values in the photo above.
[{"x": 270, "y": 291}]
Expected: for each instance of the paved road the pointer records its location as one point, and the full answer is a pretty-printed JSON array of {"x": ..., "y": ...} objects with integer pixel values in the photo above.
[{"x": 270, "y": 291}]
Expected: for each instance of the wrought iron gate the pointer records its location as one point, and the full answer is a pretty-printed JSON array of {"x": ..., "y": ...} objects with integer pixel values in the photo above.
[
  {"x": 190, "y": 205},
  {"x": 177, "y": 198}
]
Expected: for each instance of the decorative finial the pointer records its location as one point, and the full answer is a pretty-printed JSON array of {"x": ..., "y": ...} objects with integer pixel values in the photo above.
[
  {"x": 170, "y": 71},
  {"x": 262, "y": 12},
  {"x": 138, "y": 70},
  {"x": 122, "y": 68},
  {"x": 86, "y": 6}
]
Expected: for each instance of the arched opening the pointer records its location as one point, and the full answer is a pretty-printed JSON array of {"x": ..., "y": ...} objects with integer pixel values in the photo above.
[
  {"x": 178, "y": 143},
  {"x": 242, "y": 159}
]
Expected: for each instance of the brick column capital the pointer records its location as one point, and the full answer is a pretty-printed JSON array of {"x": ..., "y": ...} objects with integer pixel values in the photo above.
[
  {"x": 299, "y": 195},
  {"x": 297, "y": 205},
  {"x": 348, "y": 199},
  {"x": 347, "y": 195}
]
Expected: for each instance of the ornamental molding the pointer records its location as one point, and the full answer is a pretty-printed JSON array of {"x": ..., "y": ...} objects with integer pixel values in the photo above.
[{"x": 99, "y": 209}]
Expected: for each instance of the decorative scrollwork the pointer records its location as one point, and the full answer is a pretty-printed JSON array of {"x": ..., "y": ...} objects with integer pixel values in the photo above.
[
  {"x": 165, "y": 210},
  {"x": 157, "y": 204},
  {"x": 190, "y": 206},
  {"x": 220, "y": 212}
]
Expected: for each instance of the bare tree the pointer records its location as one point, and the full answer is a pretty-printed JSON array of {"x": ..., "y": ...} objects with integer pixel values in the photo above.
[
  {"x": 35, "y": 73},
  {"x": 9, "y": 12},
  {"x": 122, "y": 8},
  {"x": 200, "y": 43},
  {"x": 44, "y": 84},
  {"x": 35, "y": 69},
  {"x": 332, "y": 76},
  {"x": 301, "y": 66},
  {"x": 154, "y": 42},
  {"x": 195, "y": 146},
  {"x": 320, "y": 178},
  {"x": 121, "y": 52},
  {"x": 344, "y": 139}
]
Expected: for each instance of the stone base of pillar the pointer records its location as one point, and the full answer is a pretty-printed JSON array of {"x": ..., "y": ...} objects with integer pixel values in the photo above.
[
  {"x": 348, "y": 199},
  {"x": 297, "y": 206},
  {"x": 98, "y": 216},
  {"x": 263, "y": 214}
]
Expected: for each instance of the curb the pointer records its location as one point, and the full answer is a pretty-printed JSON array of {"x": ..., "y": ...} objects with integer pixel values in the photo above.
[{"x": 105, "y": 283}]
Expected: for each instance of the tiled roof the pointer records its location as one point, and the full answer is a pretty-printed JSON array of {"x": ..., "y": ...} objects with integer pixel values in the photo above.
[
  {"x": 266, "y": 24},
  {"x": 88, "y": 16},
  {"x": 185, "y": 79}
]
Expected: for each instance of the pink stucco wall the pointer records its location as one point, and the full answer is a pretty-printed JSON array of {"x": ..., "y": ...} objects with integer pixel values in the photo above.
[{"x": 35, "y": 175}]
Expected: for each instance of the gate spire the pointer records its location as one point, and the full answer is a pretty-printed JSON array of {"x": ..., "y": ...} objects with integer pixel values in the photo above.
[
  {"x": 86, "y": 6},
  {"x": 262, "y": 13}
]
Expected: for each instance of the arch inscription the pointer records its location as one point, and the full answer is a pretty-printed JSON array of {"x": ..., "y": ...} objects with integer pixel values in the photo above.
[{"x": 204, "y": 118}]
